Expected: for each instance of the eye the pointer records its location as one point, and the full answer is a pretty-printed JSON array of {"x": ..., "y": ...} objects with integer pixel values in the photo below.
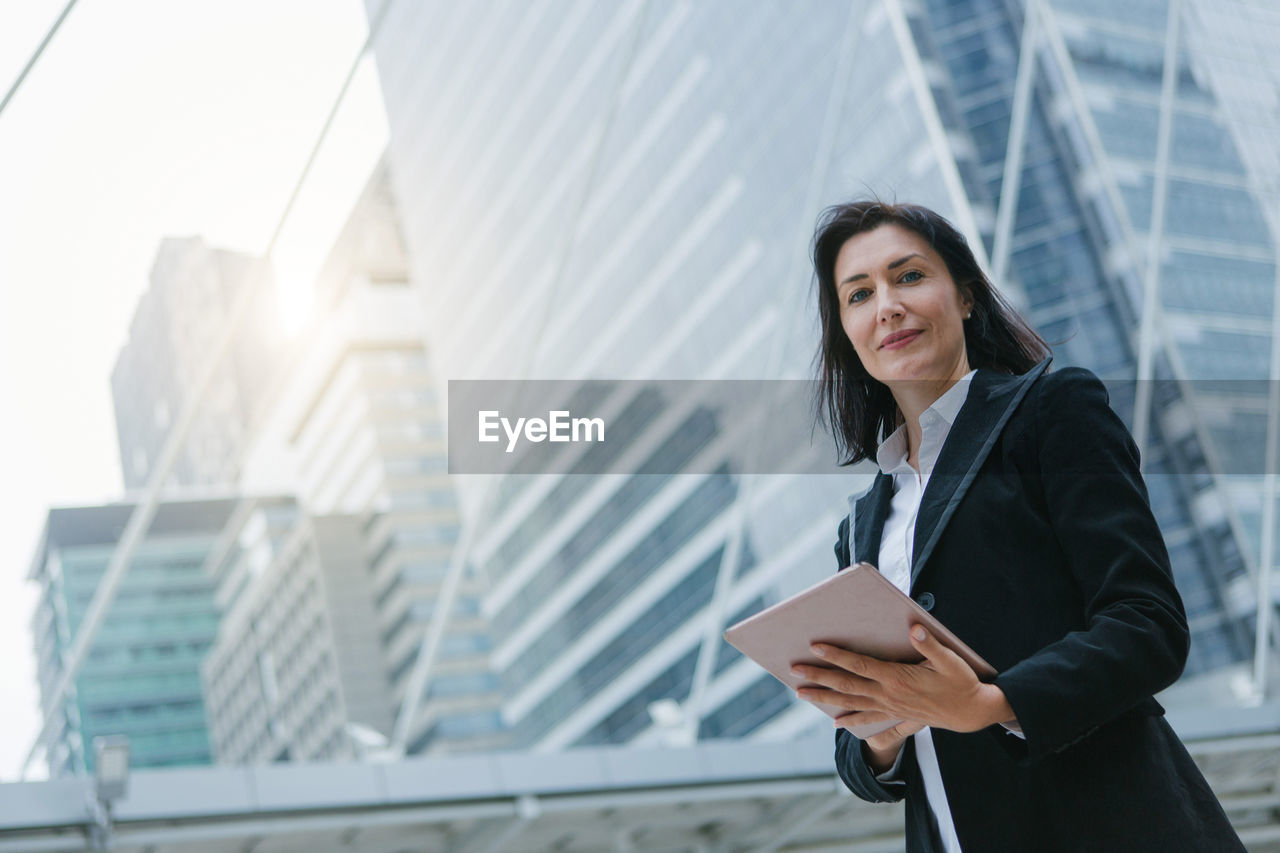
[
  {"x": 911, "y": 275},
  {"x": 858, "y": 294}
]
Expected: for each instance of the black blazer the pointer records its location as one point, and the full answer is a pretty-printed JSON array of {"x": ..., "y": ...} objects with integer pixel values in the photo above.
[{"x": 1035, "y": 543}]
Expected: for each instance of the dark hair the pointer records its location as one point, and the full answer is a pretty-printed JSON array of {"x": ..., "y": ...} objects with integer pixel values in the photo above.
[{"x": 860, "y": 410}]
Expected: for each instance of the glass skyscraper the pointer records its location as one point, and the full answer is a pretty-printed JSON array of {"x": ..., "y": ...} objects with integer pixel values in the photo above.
[
  {"x": 1082, "y": 232},
  {"x": 142, "y": 674},
  {"x": 627, "y": 190}
]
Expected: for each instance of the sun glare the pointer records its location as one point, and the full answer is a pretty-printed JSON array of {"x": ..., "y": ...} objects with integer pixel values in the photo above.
[{"x": 295, "y": 291}]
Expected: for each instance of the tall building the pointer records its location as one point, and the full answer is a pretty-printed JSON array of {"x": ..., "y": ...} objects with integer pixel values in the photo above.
[
  {"x": 627, "y": 190},
  {"x": 1082, "y": 233},
  {"x": 290, "y": 670},
  {"x": 360, "y": 422},
  {"x": 175, "y": 328},
  {"x": 588, "y": 206},
  {"x": 142, "y": 674}
]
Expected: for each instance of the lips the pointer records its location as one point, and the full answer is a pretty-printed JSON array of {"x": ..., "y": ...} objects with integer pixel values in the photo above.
[{"x": 898, "y": 339}]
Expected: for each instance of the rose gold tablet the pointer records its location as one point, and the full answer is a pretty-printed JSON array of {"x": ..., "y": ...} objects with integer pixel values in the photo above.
[{"x": 858, "y": 609}]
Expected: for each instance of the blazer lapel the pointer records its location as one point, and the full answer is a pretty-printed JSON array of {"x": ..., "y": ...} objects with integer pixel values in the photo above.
[
  {"x": 992, "y": 399},
  {"x": 866, "y": 520}
]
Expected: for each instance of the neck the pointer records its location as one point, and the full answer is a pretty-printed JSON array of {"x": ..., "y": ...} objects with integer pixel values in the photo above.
[{"x": 913, "y": 397}]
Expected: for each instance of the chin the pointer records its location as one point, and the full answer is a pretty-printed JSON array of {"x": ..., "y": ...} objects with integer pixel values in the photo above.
[{"x": 913, "y": 370}]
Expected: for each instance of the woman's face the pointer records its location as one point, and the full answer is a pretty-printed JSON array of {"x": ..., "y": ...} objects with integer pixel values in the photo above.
[{"x": 899, "y": 307}]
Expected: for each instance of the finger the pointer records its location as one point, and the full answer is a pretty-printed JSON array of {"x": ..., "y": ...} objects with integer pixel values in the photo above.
[
  {"x": 863, "y": 717},
  {"x": 837, "y": 679},
  {"x": 895, "y": 735},
  {"x": 855, "y": 719},
  {"x": 902, "y": 730},
  {"x": 834, "y": 698},
  {"x": 942, "y": 658},
  {"x": 862, "y": 665}
]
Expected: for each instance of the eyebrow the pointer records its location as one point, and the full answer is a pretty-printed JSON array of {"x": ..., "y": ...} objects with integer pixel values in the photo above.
[{"x": 892, "y": 265}]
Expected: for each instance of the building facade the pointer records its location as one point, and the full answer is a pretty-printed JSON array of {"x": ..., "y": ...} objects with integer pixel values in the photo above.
[
  {"x": 359, "y": 424},
  {"x": 142, "y": 674},
  {"x": 295, "y": 662},
  {"x": 1093, "y": 169},
  {"x": 175, "y": 328},
  {"x": 626, "y": 194},
  {"x": 627, "y": 190}
]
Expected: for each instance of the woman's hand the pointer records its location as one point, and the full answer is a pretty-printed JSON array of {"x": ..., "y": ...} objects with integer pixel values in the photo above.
[
  {"x": 941, "y": 691},
  {"x": 881, "y": 750}
]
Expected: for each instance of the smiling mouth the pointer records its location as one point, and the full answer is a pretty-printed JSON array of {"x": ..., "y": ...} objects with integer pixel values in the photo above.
[{"x": 900, "y": 340}]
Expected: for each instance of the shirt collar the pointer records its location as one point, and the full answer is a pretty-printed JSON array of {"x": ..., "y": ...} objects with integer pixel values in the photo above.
[
  {"x": 892, "y": 453},
  {"x": 950, "y": 403}
]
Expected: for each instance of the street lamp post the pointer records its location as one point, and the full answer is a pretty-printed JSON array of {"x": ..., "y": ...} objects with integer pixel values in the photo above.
[{"x": 110, "y": 783}]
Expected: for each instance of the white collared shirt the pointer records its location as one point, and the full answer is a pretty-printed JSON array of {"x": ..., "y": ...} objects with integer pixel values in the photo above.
[{"x": 897, "y": 544}]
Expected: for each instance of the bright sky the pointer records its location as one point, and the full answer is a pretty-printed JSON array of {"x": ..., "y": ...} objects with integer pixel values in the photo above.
[{"x": 144, "y": 118}]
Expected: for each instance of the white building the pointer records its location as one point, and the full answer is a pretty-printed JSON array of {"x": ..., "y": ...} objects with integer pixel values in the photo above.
[
  {"x": 356, "y": 430},
  {"x": 624, "y": 191},
  {"x": 627, "y": 190},
  {"x": 290, "y": 669}
]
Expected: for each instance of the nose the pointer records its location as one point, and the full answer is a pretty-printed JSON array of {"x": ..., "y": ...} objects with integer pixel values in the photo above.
[{"x": 888, "y": 306}]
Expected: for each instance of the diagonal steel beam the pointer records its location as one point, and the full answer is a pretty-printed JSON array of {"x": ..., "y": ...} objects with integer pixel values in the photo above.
[
  {"x": 1155, "y": 233},
  {"x": 31, "y": 63},
  {"x": 1011, "y": 182}
]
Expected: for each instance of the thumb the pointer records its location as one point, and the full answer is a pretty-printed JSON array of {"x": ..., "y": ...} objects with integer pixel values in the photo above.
[{"x": 934, "y": 652}]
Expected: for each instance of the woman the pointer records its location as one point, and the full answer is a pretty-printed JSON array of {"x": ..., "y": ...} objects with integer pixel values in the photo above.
[{"x": 1009, "y": 504}]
